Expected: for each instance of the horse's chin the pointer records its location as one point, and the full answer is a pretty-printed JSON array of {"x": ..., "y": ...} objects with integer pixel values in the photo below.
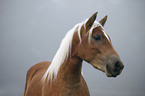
[{"x": 99, "y": 68}]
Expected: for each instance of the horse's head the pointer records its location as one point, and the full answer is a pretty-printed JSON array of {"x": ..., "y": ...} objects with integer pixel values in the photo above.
[{"x": 96, "y": 48}]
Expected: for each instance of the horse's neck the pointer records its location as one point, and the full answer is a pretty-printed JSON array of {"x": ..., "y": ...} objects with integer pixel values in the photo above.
[
  {"x": 72, "y": 68},
  {"x": 70, "y": 71},
  {"x": 69, "y": 79}
]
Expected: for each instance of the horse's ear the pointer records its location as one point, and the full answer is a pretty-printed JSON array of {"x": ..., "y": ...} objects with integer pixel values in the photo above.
[
  {"x": 102, "y": 21},
  {"x": 90, "y": 21}
]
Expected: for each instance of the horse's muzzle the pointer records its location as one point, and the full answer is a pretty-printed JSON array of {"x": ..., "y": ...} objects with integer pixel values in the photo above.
[{"x": 113, "y": 70}]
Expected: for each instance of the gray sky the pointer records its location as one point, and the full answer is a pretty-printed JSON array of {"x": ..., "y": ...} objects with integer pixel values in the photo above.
[{"x": 31, "y": 31}]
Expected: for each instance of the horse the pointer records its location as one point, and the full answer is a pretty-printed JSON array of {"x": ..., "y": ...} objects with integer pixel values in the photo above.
[{"x": 86, "y": 41}]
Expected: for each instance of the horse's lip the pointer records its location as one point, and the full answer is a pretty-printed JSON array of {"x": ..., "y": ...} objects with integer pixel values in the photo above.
[{"x": 111, "y": 75}]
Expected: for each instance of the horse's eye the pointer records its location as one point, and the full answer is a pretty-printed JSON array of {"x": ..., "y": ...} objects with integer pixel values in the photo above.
[{"x": 97, "y": 37}]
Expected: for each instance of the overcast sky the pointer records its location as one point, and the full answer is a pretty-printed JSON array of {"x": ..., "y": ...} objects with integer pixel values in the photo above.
[{"x": 31, "y": 31}]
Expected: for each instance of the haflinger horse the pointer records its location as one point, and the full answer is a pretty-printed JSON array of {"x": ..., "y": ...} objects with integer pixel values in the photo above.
[{"x": 62, "y": 77}]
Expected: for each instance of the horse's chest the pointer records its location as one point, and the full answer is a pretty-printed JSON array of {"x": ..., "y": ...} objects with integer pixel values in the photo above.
[{"x": 67, "y": 90}]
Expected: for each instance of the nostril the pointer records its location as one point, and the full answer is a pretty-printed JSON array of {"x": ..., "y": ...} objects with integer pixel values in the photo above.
[{"x": 117, "y": 64}]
